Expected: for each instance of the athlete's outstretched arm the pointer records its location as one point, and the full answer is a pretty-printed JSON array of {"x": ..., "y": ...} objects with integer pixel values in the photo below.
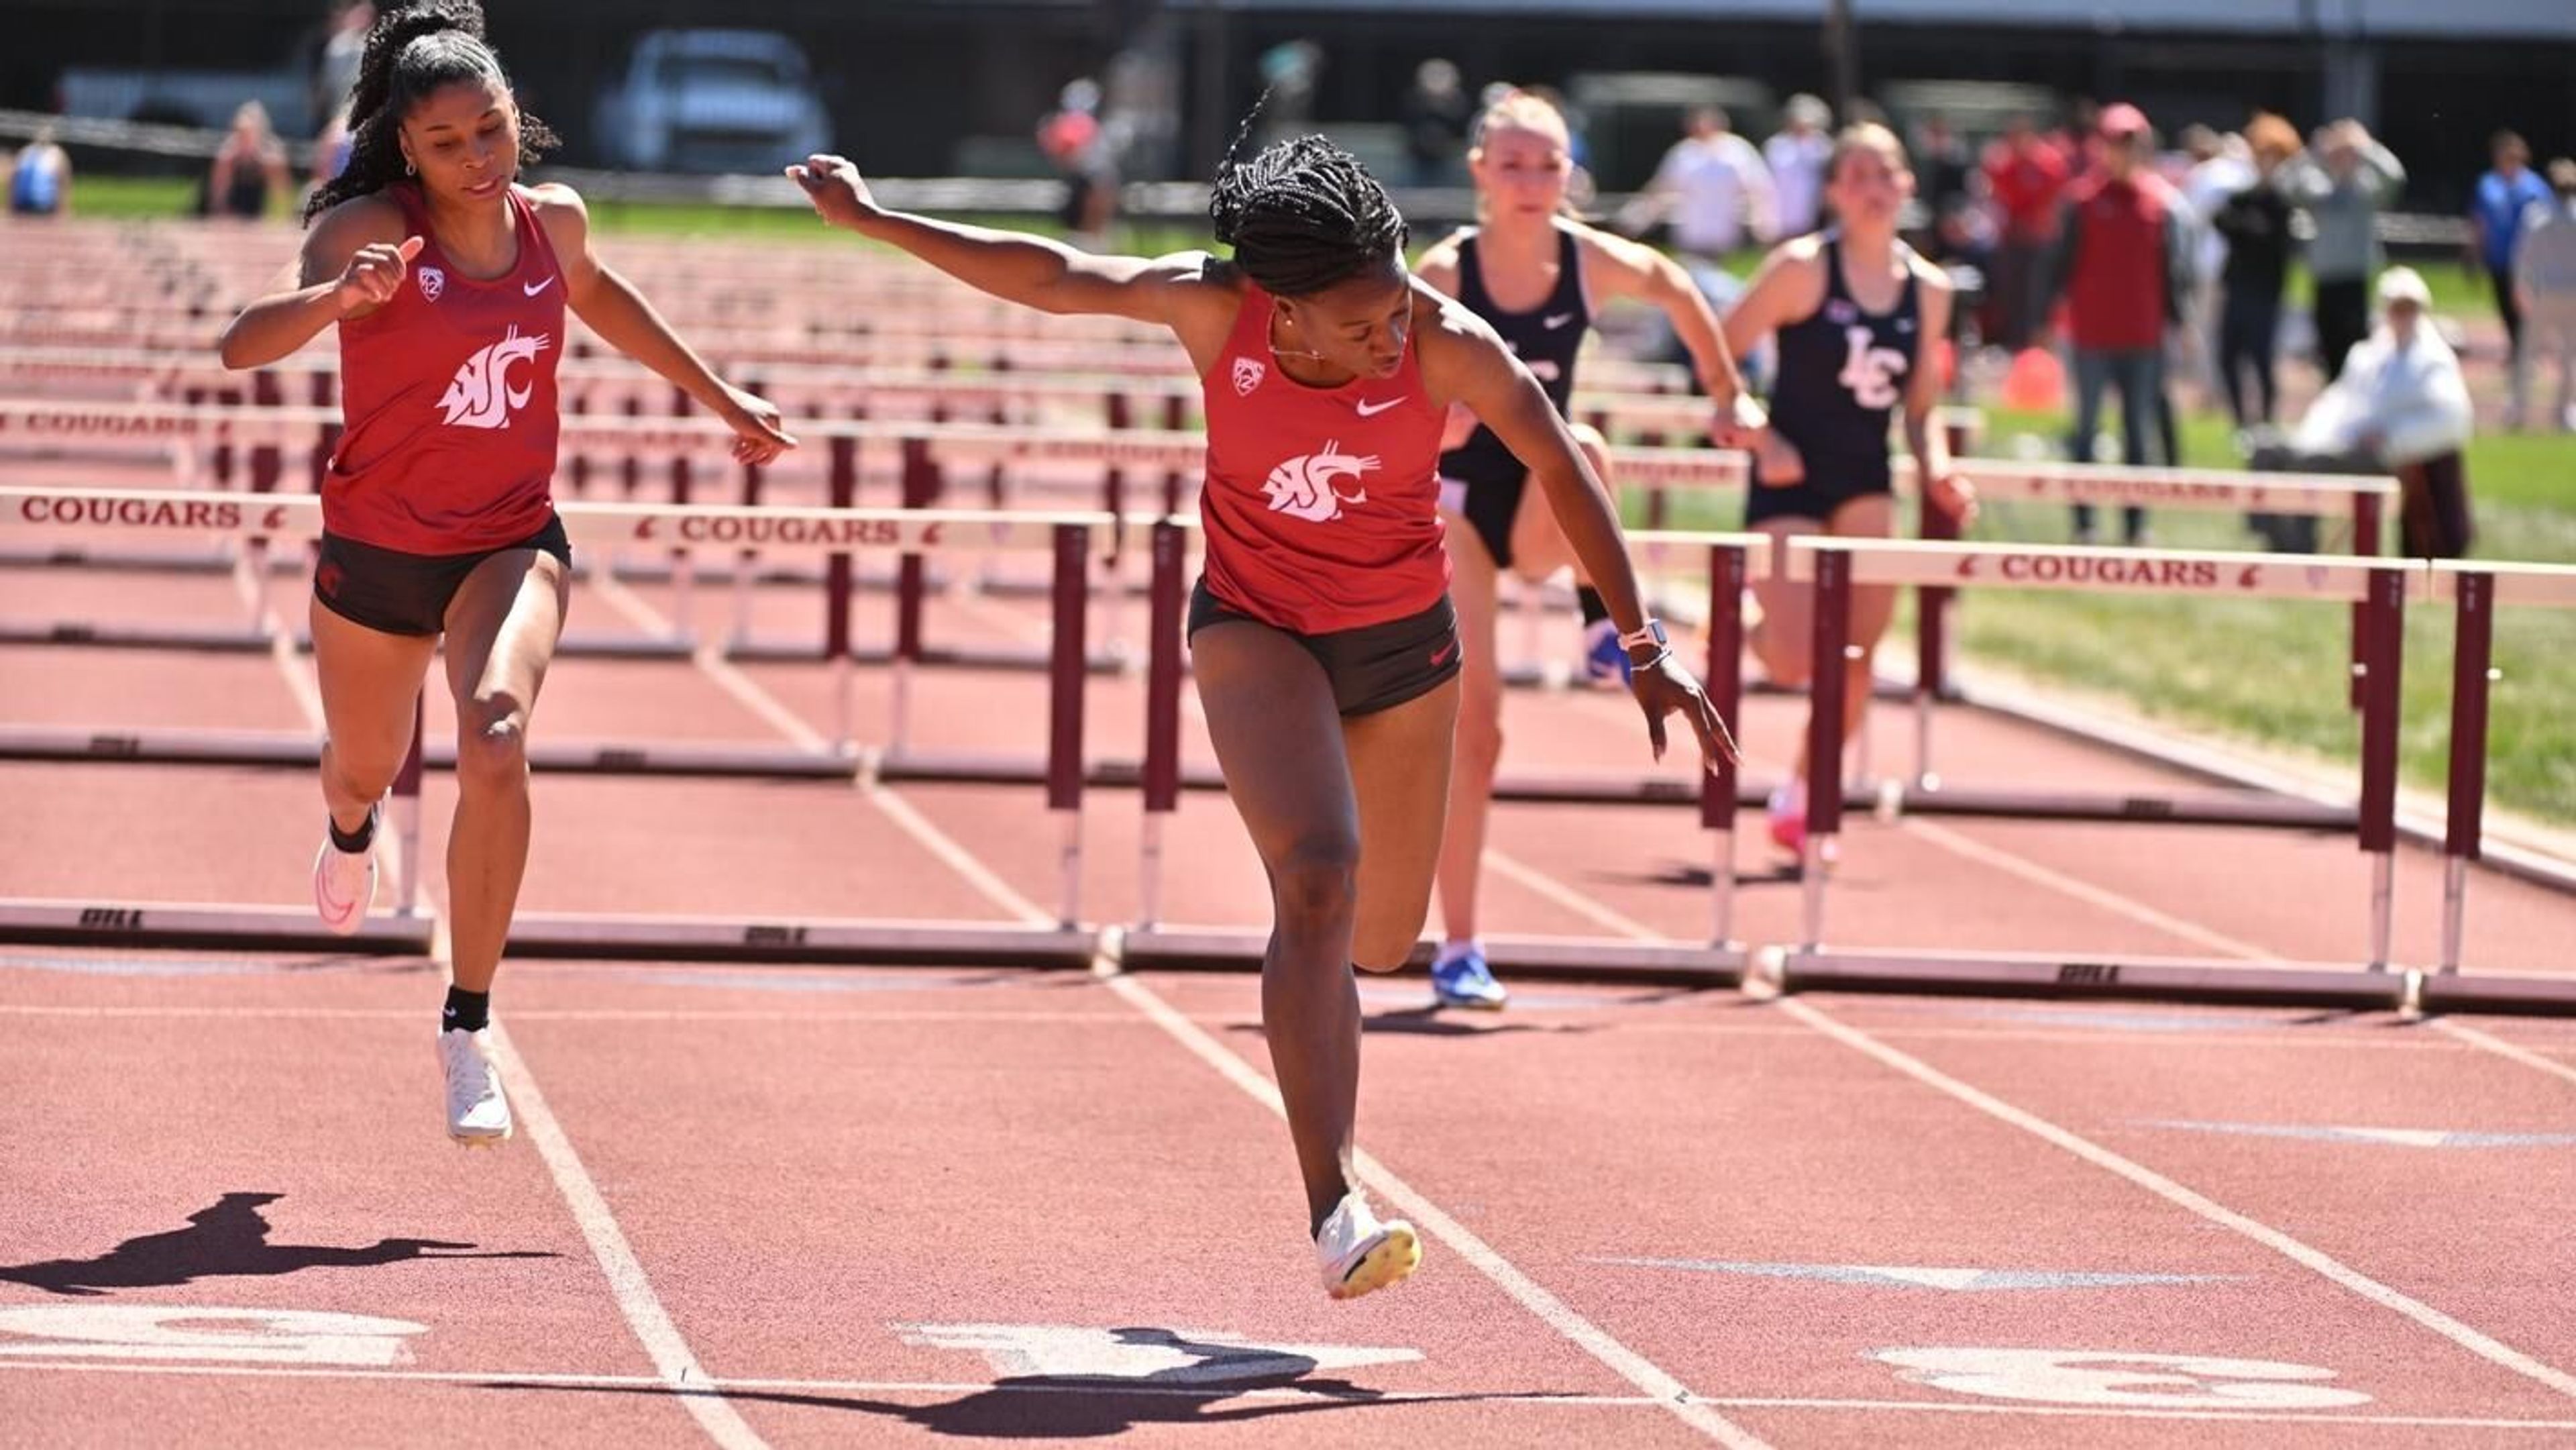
[
  {"x": 1623, "y": 268},
  {"x": 625, "y": 321},
  {"x": 1786, "y": 287},
  {"x": 1031, "y": 270},
  {"x": 1463, "y": 361},
  {"x": 352, "y": 261}
]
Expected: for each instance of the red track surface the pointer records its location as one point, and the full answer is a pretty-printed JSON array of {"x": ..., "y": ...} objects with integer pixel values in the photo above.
[{"x": 868, "y": 1205}]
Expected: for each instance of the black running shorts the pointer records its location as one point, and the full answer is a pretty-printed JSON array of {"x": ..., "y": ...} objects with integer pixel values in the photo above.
[
  {"x": 1372, "y": 668},
  {"x": 392, "y": 592}
]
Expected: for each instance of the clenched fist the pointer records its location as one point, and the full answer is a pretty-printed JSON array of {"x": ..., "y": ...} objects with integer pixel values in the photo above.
[{"x": 375, "y": 274}]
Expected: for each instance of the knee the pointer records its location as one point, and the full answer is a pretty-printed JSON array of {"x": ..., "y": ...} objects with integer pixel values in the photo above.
[
  {"x": 1784, "y": 661},
  {"x": 1480, "y": 736},
  {"x": 1382, "y": 957},
  {"x": 1315, "y": 887},
  {"x": 491, "y": 750},
  {"x": 359, "y": 775}
]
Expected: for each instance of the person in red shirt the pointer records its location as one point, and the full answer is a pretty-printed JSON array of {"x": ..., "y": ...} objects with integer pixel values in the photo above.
[
  {"x": 2119, "y": 263},
  {"x": 1322, "y": 637},
  {"x": 448, "y": 283},
  {"x": 2026, "y": 175}
]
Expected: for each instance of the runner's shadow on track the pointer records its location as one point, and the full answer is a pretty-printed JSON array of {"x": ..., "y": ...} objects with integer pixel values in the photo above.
[
  {"x": 1079, "y": 1406},
  {"x": 228, "y": 1238}
]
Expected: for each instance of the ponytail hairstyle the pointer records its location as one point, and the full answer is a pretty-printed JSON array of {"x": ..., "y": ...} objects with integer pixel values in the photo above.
[
  {"x": 1303, "y": 215},
  {"x": 411, "y": 52}
]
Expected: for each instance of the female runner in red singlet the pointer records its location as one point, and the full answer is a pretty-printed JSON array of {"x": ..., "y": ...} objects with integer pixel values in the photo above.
[
  {"x": 1322, "y": 637},
  {"x": 448, "y": 283}
]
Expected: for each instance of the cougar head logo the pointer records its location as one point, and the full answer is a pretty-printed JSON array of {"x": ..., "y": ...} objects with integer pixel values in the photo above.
[
  {"x": 481, "y": 395},
  {"x": 1307, "y": 487}
]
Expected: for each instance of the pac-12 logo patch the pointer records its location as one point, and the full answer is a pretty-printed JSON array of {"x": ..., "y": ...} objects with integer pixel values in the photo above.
[
  {"x": 432, "y": 282},
  {"x": 1248, "y": 373}
]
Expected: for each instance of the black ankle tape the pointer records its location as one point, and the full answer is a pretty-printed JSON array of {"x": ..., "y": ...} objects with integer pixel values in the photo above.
[{"x": 354, "y": 842}]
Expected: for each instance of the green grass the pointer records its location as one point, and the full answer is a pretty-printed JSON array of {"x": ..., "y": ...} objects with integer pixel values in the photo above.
[{"x": 2273, "y": 672}]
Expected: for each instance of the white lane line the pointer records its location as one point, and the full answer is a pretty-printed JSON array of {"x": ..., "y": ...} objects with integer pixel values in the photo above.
[
  {"x": 940, "y": 844},
  {"x": 642, "y": 1309},
  {"x": 1635, "y": 1368},
  {"x": 2084, "y": 891},
  {"x": 1529, "y": 1399},
  {"x": 1541, "y": 884},
  {"x": 2146, "y": 915},
  {"x": 290, "y": 664},
  {"x": 711, "y": 661},
  {"x": 636, "y": 1300},
  {"x": 2512, "y": 1052},
  {"x": 2485, "y": 1346},
  {"x": 768, "y": 707}
]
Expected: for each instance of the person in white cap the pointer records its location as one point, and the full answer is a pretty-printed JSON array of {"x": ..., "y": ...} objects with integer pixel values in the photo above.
[{"x": 2401, "y": 404}]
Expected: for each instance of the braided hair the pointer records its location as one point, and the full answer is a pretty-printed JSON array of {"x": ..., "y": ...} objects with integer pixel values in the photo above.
[
  {"x": 1303, "y": 215},
  {"x": 411, "y": 52}
]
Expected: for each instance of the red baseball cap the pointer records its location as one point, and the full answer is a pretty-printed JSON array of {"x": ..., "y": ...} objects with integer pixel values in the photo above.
[{"x": 2123, "y": 119}]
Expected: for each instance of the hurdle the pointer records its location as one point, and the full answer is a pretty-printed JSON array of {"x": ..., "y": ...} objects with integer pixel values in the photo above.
[
  {"x": 2475, "y": 591},
  {"x": 1718, "y": 961},
  {"x": 1835, "y": 566},
  {"x": 1071, "y": 538},
  {"x": 834, "y": 534}
]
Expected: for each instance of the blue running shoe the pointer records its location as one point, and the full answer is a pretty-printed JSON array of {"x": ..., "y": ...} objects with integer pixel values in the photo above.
[
  {"x": 1605, "y": 660},
  {"x": 1465, "y": 981}
]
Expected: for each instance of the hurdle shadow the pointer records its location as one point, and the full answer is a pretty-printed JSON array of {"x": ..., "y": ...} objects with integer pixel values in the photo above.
[
  {"x": 227, "y": 1239},
  {"x": 1431, "y": 1021},
  {"x": 1700, "y": 878},
  {"x": 1090, "y": 1407}
]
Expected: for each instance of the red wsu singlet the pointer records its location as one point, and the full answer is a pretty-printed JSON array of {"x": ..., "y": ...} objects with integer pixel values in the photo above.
[
  {"x": 448, "y": 393},
  {"x": 1322, "y": 505}
]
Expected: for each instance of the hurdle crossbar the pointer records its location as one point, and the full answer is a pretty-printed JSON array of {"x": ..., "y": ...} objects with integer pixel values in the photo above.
[
  {"x": 1835, "y": 566},
  {"x": 1071, "y": 537}
]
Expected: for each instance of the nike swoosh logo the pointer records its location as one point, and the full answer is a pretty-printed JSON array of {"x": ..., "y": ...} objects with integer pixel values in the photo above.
[
  {"x": 1371, "y": 410},
  {"x": 1557, "y": 321},
  {"x": 1441, "y": 655},
  {"x": 540, "y": 287}
]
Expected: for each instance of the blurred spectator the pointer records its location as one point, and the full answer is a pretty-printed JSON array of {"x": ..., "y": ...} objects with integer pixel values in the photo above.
[
  {"x": 335, "y": 69},
  {"x": 2219, "y": 168},
  {"x": 1942, "y": 161},
  {"x": 2544, "y": 274},
  {"x": 2027, "y": 178},
  {"x": 1290, "y": 72},
  {"x": 2400, "y": 404},
  {"x": 40, "y": 177},
  {"x": 332, "y": 149},
  {"x": 2254, "y": 224},
  {"x": 1075, "y": 141},
  {"x": 1797, "y": 156},
  {"x": 1436, "y": 114},
  {"x": 1712, "y": 186},
  {"x": 2341, "y": 185},
  {"x": 2119, "y": 262},
  {"x": 2495, "y": 222},
  {"x": 249, "y": 172}
]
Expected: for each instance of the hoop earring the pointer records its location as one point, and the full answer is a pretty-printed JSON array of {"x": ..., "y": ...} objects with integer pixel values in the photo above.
[{"x": 408, "y": 168}]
